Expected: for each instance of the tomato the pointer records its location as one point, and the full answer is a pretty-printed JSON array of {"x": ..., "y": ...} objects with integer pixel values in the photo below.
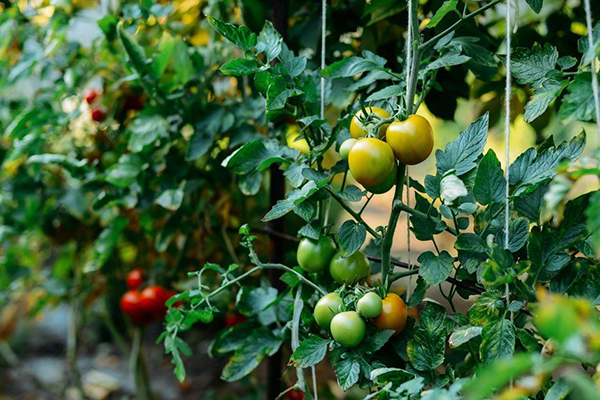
[
  {"x": 413, "y": 312},
  {"x": 393, "y": 314},
  {"x": 98, "y": 114},
  {"x": 90, "y": 95},
  {"x": 369, "y": 306},
  {"x": 411, "y": 140},
  {"x": 348, "y": 328},
  {"x": 153, "y": 300},
  {"x": 349, "y": 270},
  {"x": 371, "y": 161},
  {"x": 131, "y": 305},
  {"x": 358, "y": 129},
  {"x": 389, "y": 182},
  {"x": 294, "y": 141},
  {"x": 315, "y": 255},
  {"x": 233, "y": 319},
  {"x": 345, "y": 148},
  {"x": 135, "y": 278},
  {"x": 294, "y": 394},
  {"x": 327, "y": 307}
]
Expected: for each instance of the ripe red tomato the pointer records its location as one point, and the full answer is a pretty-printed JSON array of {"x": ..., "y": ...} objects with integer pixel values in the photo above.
[
  {"x": 153, "y": 300},
  {"x": 294, "y": 394},
  {"x": 135, "y": 278},
  {"x": 98, "y": 114},
  {"x": 90, "y": 95},
  {"x": 131, "y": 305},
  {"x": 233, "y": 319}
]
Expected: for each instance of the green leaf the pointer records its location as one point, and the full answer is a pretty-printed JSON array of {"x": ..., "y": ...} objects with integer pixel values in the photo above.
[
  {"x": 542, "y": 97},
  {"x": 592, "y": 214},
  {"x": 378, "y": 340},
  {"x": 145, "y": 130},
  {"x": 490, "y": 186},
  {"x": 518, "y": 232},
  {"x": 387, "y": 93},
  {"x": 351, "y": 193},
  {"x": 269, "y": 42},
  {"x": 351, "y": 66},
  {"x": 471, "y": 242},
  {"x": 462, "y": 153},
  {"x": 105, "y": 244},
  {"x": 59, "y": 159},
  {"x": 463, "y": 334},
  {"x": 108, "y": 25},
  {"x": 532, "y": 67},
  {"x": 536, "y": 5},
  {"x": 347, "y": 371},
  {"x": 171, "y": 199},
  {"x": 311, "y": 230},
  {"x": 258, "y": 155},
  {"x": 578, "y": 103},
  {"x": 418, "y": 293},
  {"x": 446, "y": 7},
  {"x": 125, "y": 171},
  {"x": 136, "y": 57},
  {"x": 241, "y": 36},
  {"x": 310, "y": 352},
  {"x": 498, "y": 340},
  {"x": 262, "y": 342},
  {"x": 435, "y": 269},
  {"x": 531, "y": 168},
  {"x": 351, "y": 237},
  {"x": 165, "y": 52},
  {"x": 559, "y": 391},
  {"x": 528, "y": 205},
  {"x": 427, "y": 346},
  {"x": 583, "y": 386},
  {"x": 293, "y": 198},
  {"x": 483, "y": 62},
  {"x": 240, "y": 67},
  {"x": 487, "y": 308},
  {"x": 447, "y": 60},
  {"x": 182, "y": 63},
  {"x": 256, "y": 300}
]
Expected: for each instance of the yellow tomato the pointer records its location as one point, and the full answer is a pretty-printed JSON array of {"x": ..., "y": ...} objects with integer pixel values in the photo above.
[
  {"x": 389, "y": 182},
  {"x": 293, "y": 140},
  {"x": 371, "y": 161},
  {"x": 411, "y": 140},
  {"x": 358, "y": 129},
  {"x": 393, "y": 314}
]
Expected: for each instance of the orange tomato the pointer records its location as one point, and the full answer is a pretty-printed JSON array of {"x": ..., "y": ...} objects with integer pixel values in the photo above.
[{"x": 393, "y": 314}]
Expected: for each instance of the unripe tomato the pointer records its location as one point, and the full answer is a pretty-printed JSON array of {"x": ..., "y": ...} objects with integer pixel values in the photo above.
[
  {"x": 294, "y": 141},
  {"x": 389, "y": 182},
  {"x": 153, "y": 300},
  {"x": 369, "y": 306},
  {"x": 371, "y": 161},
  {"x": 98, "y": 114},
  {"x": 315, "y": 255},
  {"x": 411, "y": 140},
  {"x": 345, "y": 148},
  {"x": 135, "y": 278},
  {"x": 90, "y": 95},
  {"x": 349, "y": 270},
  {"x": 132, "y": 307},
  {"x": 393, "y": 314},
  {"x": 358, "y": 129},
  {"x": 327, "y": 307},
  {"x": 348, "y": 328}
]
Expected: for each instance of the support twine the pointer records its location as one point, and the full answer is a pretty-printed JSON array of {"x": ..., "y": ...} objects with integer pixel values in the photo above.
[
  {"x": 323, "y": 34},
  {"x": 588, "y": 20},
  {"x": 409, "y": 56}
]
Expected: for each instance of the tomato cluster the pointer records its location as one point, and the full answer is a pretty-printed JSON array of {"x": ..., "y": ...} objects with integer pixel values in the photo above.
[
  {"x": 348, "y": 327},
  {"x": 372, "y": 160},
  {"x": 147, "y": 305},
  {"x": 91, "y": 95}
]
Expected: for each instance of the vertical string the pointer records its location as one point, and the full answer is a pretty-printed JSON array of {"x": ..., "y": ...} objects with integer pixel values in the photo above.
[
  {"x": 588, "y": 19},
  {"x": 409, "y": 40},
  {"x": 323, "y": 33},
  {"x": 409, "y": 55}
]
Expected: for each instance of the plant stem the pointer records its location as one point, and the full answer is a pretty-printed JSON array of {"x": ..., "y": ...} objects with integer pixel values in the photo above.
[
  {"x": 354, "y": 214},
  {"x": 413, "y": 72},
  {"x": 400, "y": 275},
  {"x": 457, "y": 25},
  {"x": 403, "y": 207},
  {"x": 388, "y": 239}
]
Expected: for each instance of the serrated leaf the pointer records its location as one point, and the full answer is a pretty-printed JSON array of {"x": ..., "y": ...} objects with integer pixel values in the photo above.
[
  {"x": 310, "y": 352},
  {"x": 351, "y": 237},
  {"x": 427, "y": 346},
  {"x": 378, "y": 340},
  {"x": 462, "y": 153},
  {"x": 293, "y": 198},
  {"x": 261, "y": 343},
  {"x": 241, "y": 36},
  {"x": 489, "y": 181},
  {"x": 258, "y": 155},
  {"x": 351, "y": 193},
  {"x": 536, "y": 5},
  {"x": 240, "y": 67},
  {"x": 445, "y": 8},
  {"x": 463, "y": 334},
  {"x": 136, "y": 56},
  {"x": 105, "y": 244},
  {"x": 387, "y": 93},
  {"x": 125, "y": 171},
  {"x": 418, "y": 293},
  {"x": 171, "y": 199},
  {"x": 578, "y": 103},
  {"x": 487, "y": 308},
  {"x": 447, "y": 60},
  {"x": 145, "y": 130},
  {"x": 471, "y": 242},
  {"x": 351, "y": 66},
  {"x": 498, "y": 340},
  {"x": 347, "y": 372},
  {"x": 542, "y": 97},
  {"x": 269, "y": 42},
  {"x": 531, "y": 67},
  {"x": 518, "y": 231},
  {"x": 435, "y": 269}
]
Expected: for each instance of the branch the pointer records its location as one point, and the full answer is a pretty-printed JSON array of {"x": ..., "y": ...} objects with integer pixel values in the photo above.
[
  {"x": 354, "y": 214},
  {"x": 403, "y": 207},
  {"x": 457, "y": 25},
  {"x": 388, "y": 240}
]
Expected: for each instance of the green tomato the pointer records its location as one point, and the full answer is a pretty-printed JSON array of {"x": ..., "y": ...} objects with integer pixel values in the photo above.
[
  {"x": 315, "y": 255},
  {"x": 345, "y": 148},
  {"x": 369, "y": 306},
  {"x": 348, "y": 328},
  {"x": 349, "y": 270},
  {"x": 327, "y": 308}
]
